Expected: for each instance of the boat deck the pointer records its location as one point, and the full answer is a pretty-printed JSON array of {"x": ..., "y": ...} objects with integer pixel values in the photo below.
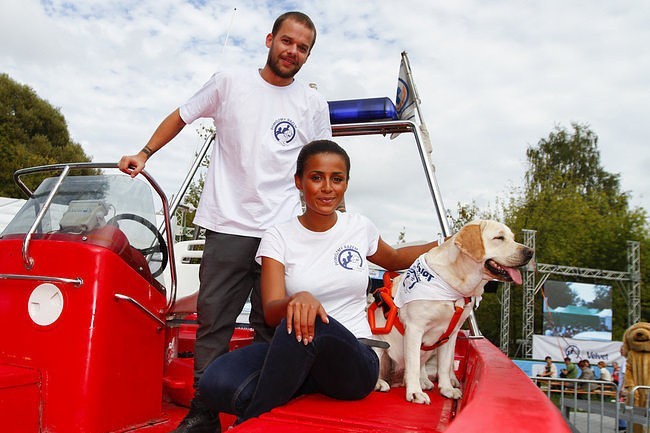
[
  {"x": 317, "y": 413},
  {"x": 495, "y": 391}
]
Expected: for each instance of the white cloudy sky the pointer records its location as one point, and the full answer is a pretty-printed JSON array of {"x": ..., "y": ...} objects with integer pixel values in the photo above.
[{"x": 494, "y": 77}]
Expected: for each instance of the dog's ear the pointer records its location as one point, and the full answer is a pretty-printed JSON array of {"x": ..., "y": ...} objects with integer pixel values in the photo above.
[{"x": 470, "y": 242}]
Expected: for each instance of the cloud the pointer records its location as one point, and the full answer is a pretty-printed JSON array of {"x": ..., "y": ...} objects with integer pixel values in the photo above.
[{"x": 494, "y": 78}]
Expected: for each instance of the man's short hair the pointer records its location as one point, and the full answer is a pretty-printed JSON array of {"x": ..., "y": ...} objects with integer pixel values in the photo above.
[{"x": 298, "y": 17}]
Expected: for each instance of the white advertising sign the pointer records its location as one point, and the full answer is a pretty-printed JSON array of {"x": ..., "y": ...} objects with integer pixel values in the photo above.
[{"x": 558, "y": 348}]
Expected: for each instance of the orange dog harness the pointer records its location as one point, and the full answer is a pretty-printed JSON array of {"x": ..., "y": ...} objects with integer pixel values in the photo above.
[{"x": 384, "y": 299}]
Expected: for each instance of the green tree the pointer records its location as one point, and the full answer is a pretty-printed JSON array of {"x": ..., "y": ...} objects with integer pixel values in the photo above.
[
  {"x": 602, "y": 299},
  {"x": 562, "y": 295},
  {"x": 32, "y": 132},
  {"x": 581, "y": 216},
  {"x": 193, "y": 193},
  {"x": 468, "y": 212},
  {"x": 401, "y": 239}
]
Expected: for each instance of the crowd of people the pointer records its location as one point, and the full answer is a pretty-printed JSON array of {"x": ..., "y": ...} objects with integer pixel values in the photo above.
[
  {"x": 582, "y": 370},
  {"x": 568, "y": 331}
]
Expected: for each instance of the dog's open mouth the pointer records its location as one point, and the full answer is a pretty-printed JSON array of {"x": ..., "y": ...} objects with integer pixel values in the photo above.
[{"x": 503, "y": 273}]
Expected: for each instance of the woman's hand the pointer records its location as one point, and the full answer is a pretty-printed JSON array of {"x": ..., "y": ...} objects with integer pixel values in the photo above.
[{"x": 302, "y": 310}]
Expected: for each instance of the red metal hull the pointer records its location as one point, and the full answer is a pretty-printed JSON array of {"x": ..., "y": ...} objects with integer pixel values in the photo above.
[{"x": 100, "y": 365}]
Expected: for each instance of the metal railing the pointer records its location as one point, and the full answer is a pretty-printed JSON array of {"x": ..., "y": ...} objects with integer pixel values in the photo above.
[
  {"x": 595, "y": 405},
  {"x": 638, "y": 413}
]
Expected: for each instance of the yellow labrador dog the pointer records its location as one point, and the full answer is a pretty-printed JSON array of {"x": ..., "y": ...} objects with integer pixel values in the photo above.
[{"x": 435, "y": 296}]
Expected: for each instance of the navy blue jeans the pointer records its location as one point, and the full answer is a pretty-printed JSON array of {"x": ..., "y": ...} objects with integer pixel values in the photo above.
[{"x": 256, "y": 378}]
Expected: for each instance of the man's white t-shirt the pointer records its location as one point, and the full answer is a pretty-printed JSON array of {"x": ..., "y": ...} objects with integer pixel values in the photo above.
[
  {"x": 260, "y": 129},
  {"x": 331, "y": 265}
]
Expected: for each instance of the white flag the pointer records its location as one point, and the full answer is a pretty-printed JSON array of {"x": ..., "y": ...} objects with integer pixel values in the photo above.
[{"x": 405, "y": 99}]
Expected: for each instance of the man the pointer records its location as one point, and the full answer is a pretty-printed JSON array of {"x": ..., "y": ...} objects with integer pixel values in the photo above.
[
  {"x": 570, "y": 371},
  {"x": 262, "y": 119},
  {"x": 550, "y": 370}
]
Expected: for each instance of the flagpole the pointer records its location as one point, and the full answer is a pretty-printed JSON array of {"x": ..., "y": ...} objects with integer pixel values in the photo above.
[
  {"x": 426, "y": 141},
  {"x": 232, "y": 17},
  {"x": 416, "y": 101}
]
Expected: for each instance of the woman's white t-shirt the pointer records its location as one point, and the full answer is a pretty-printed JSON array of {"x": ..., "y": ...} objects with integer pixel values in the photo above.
[
  {"x": 605, "y": 374},
  {"x": 260, "y": 129},
  {"x": 331, "y": 265}
]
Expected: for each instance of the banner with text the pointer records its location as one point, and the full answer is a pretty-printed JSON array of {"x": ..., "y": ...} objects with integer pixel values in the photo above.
[{"x": 558, "y": 348}]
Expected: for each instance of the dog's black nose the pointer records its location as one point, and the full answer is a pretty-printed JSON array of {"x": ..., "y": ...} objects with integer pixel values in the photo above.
[{"x": 528, "y": 253}]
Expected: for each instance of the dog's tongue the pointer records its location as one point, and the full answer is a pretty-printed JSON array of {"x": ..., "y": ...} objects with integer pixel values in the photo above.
[{"x": 515, "y": 274}]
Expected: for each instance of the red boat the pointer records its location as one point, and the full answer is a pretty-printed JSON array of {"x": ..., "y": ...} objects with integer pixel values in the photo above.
[{"x": 91, "y": 341}]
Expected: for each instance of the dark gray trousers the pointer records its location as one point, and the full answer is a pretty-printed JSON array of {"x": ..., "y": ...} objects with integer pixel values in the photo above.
[{"x": 228, "y": 274}]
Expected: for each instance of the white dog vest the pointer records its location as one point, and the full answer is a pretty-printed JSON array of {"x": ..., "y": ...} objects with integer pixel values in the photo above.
[
  {"x": 422, "y": 283},
  {"x": 419, "y": 283}
]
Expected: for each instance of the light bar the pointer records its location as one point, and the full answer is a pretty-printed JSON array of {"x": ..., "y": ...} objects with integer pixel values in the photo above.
[{"x": 362, "y": 110}]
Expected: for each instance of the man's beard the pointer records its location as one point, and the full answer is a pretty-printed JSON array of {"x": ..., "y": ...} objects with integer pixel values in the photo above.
[{"x": 279, "y": 72}]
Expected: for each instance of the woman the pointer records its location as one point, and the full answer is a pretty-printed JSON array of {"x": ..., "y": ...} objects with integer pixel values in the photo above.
[
  {"x": 314, "y": 281},
  {"x": 604, "y": 372}
]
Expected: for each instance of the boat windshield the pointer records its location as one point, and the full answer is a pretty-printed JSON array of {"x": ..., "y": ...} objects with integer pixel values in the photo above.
[{"x": 84, "y": 203}]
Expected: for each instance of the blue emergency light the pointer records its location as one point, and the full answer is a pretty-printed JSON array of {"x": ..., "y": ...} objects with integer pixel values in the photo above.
[{"x": 362, "y": 110}]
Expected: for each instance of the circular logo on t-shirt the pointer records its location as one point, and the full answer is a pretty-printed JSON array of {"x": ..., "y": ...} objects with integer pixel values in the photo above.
[
  {"x": 284, "y": 131},
  {"x": 350, "y": 259}
]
